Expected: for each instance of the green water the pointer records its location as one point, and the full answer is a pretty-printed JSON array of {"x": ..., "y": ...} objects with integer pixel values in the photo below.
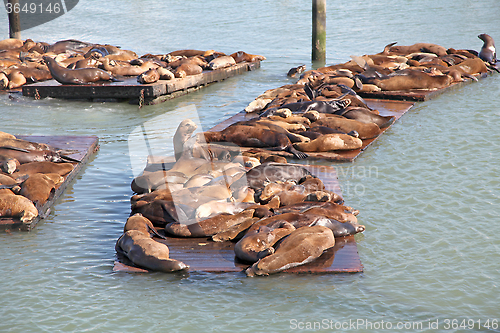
[{"x": 427, "y": 190}]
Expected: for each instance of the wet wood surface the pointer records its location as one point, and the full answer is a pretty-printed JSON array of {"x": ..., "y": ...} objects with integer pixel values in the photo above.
[
  {"x": 83, "y": 146},
  {"x": 130, "y": 89},
  {"x": 205, "y": 255}
]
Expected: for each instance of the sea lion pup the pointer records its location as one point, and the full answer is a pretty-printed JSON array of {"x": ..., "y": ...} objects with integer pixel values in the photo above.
[
  {"x": 364, "y": 130},
  {"x": 149, "y": 76},
  {"x": 302, "y": 246},
  {"x": 31, "y": 168},
  {"x": 140, "y": 223},
  {"x": 330, "y": 142},
  {"x": 210, "y": 226},
  {"x": 39, "y": 188},
  {"x": 254, "y": 136},
  {"x": 221, "y": 62},
  {"x": 145, "y": 252},
  {"x": 76, "y": 76},
  {"x": 242, "y": 56},
  {"x": 257, "y": 244},
  {"x": 17, "y": 206},
  {"x": 488, "y": 52}
]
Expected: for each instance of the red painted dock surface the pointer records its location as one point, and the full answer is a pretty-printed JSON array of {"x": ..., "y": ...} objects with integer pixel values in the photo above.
[{"x": 84, "y": 147}]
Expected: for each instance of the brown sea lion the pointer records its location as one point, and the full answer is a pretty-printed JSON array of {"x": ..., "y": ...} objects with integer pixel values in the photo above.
[
  {"x": 11, "y": 43},
  {"x": 17, "y": 206},
  {"x": 125, "y": 70},
  {"x": 330, "y": 142},
  {"x": 38, "y": 188},
  {"x": 257, "y": 244},
  {"x": 145, "y": 252},
  {"x": 149, "y": 76},
  {"x": 186, "y": 69},
  {"x": 16, "y": 79},
  {"x": 411, "y": 79},
  {"x": 221, "y": 62},
  {"x": 272, "y": 172},
  {"x": 31, "y": 168},
  {"x": 302, "y": 246},
  {"x": 365, "y": 131},
  {"x": 7, "y": 180},
  {"x": 26, "y": 156},
  {"x": 8, "y": 165},
  {"x": 210, "y": 226},
  {"x": 234, "y": 231},
  {"x": 418, "y": 47},
  {"x": 76, "y": 76},
  {"x": 241, "y": 56},
  {"x": 142, "y": 224},
  {"x": 4, "y": 81},
  {"x": 165, "y": 74}
]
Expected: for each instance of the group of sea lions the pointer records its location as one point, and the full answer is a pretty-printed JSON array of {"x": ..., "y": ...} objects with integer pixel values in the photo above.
[
  {"x": 76, "y": 62},
  {"x": 215, "y": 192},
  {"x": 423, "y": 66},
  {"x": 30, "y": 172}
]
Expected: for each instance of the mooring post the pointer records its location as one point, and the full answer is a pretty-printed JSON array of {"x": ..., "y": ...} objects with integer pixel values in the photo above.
[
  {"x": 319, "y": 30},
  {"x": 14, "y": 19}
]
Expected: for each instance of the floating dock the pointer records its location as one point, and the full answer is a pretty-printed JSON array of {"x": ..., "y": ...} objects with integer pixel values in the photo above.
[
  {"x": 130, "y": 89},
  {"x": 385, "y": 108},
  {"x": 84, "y": 147},
  {"x": 205, "y": 255}
]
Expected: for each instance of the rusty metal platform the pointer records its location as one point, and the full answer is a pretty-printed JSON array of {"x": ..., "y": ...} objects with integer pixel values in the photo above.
[
  {"x": 205, "y": 255},
  {"x": 130, "y": 89},
  {"x": 85, "y": 147}
]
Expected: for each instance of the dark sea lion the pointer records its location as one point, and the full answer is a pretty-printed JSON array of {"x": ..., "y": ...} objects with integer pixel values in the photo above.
[
  {"x": 17, "y": 206},
  {"x": 69, "y": 46},
  {"x": 38, "y": 188},
  {"x": 366, "y": 116},
  {"x": 254, "y": 136},
  {"x": 296, "y": 70},
  {"x": 488, "y": 51},
  {"x": 330, "y": 142},
  {"x": 273, "y": 172},
  {"x": 257, "y": 244},
  {"x": 210, "y": 226},
  {"x": 142, "y": 224},
  {"x": 76, "y": 76},
  {"x": 160, "y": 212},
  {"x": 26, "y": 156},
  {"x": 302, "y": 246},
  {"x": 145, "y": 252},
  {"x": 149, "y": 76}
]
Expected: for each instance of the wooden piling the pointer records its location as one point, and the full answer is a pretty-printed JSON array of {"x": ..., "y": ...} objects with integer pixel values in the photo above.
[
  {"x": 319, "y": 31},
  {"x": 14, "y": 19}
]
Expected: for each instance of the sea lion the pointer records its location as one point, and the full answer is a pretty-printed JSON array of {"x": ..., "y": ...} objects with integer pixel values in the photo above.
[
  {"x": 4, "y": 81},
  {"x": 412, "y": 79},
  {"x": 246, "y": 135},
  {"x": 16, "y": 79},
  {"x": 38, "y": 188},
  {"x": 145, "y": 252},
  {"x": 221, "y": 62},
  {"x": 213, "y": 207},
  {"x": 142, "y": 224},
  {"x": 26, "y": 156},
  {"x": 149, "y": 76},
  {"x": 76, "y": 76},
  {"x": 8, "y": 164},
  {"x": 272, "y": 172},
  {"x": 302, "y": 246},
  {"x": 11, "y": 43},
  {"x": 210, "y": 226},
  {"x": 150, "y": 181},
  {"x": 257, "y": 244},
  {"x": 241, "y": 56},
  {"x": 234, "y": 231},
  {"x": 184, "y": 131},
  {"x": 17, "y": 206},
  {"x": 125, "y": 70},
  {"x": 296, "y": 70},
  {"x": 365, "y": 131},
  {"x": 165, "y": 74},
  {"x": 187, "y": 68},
  {"x": 31, "y": 168},
  {"x": 7, "y": 180},
  {"x": 330, "y": 142},
  {"x": 488, "y": 51}
]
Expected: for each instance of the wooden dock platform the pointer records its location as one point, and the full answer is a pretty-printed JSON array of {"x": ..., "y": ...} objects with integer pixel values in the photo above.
[
  {"x": 205, "y": 255},
  {"x": 385, "y": 108},
  {"x": 130, "y": 89},
  {"x": 84, "y": 147}
]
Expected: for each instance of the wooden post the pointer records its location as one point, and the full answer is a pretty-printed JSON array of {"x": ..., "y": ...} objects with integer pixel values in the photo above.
[
  {"x": 319, "y": 30},
  {"x": 14, "y": 19}
]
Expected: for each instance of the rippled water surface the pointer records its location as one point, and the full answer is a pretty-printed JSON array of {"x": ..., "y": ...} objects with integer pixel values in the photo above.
[{"x": 427, "y": 190}]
